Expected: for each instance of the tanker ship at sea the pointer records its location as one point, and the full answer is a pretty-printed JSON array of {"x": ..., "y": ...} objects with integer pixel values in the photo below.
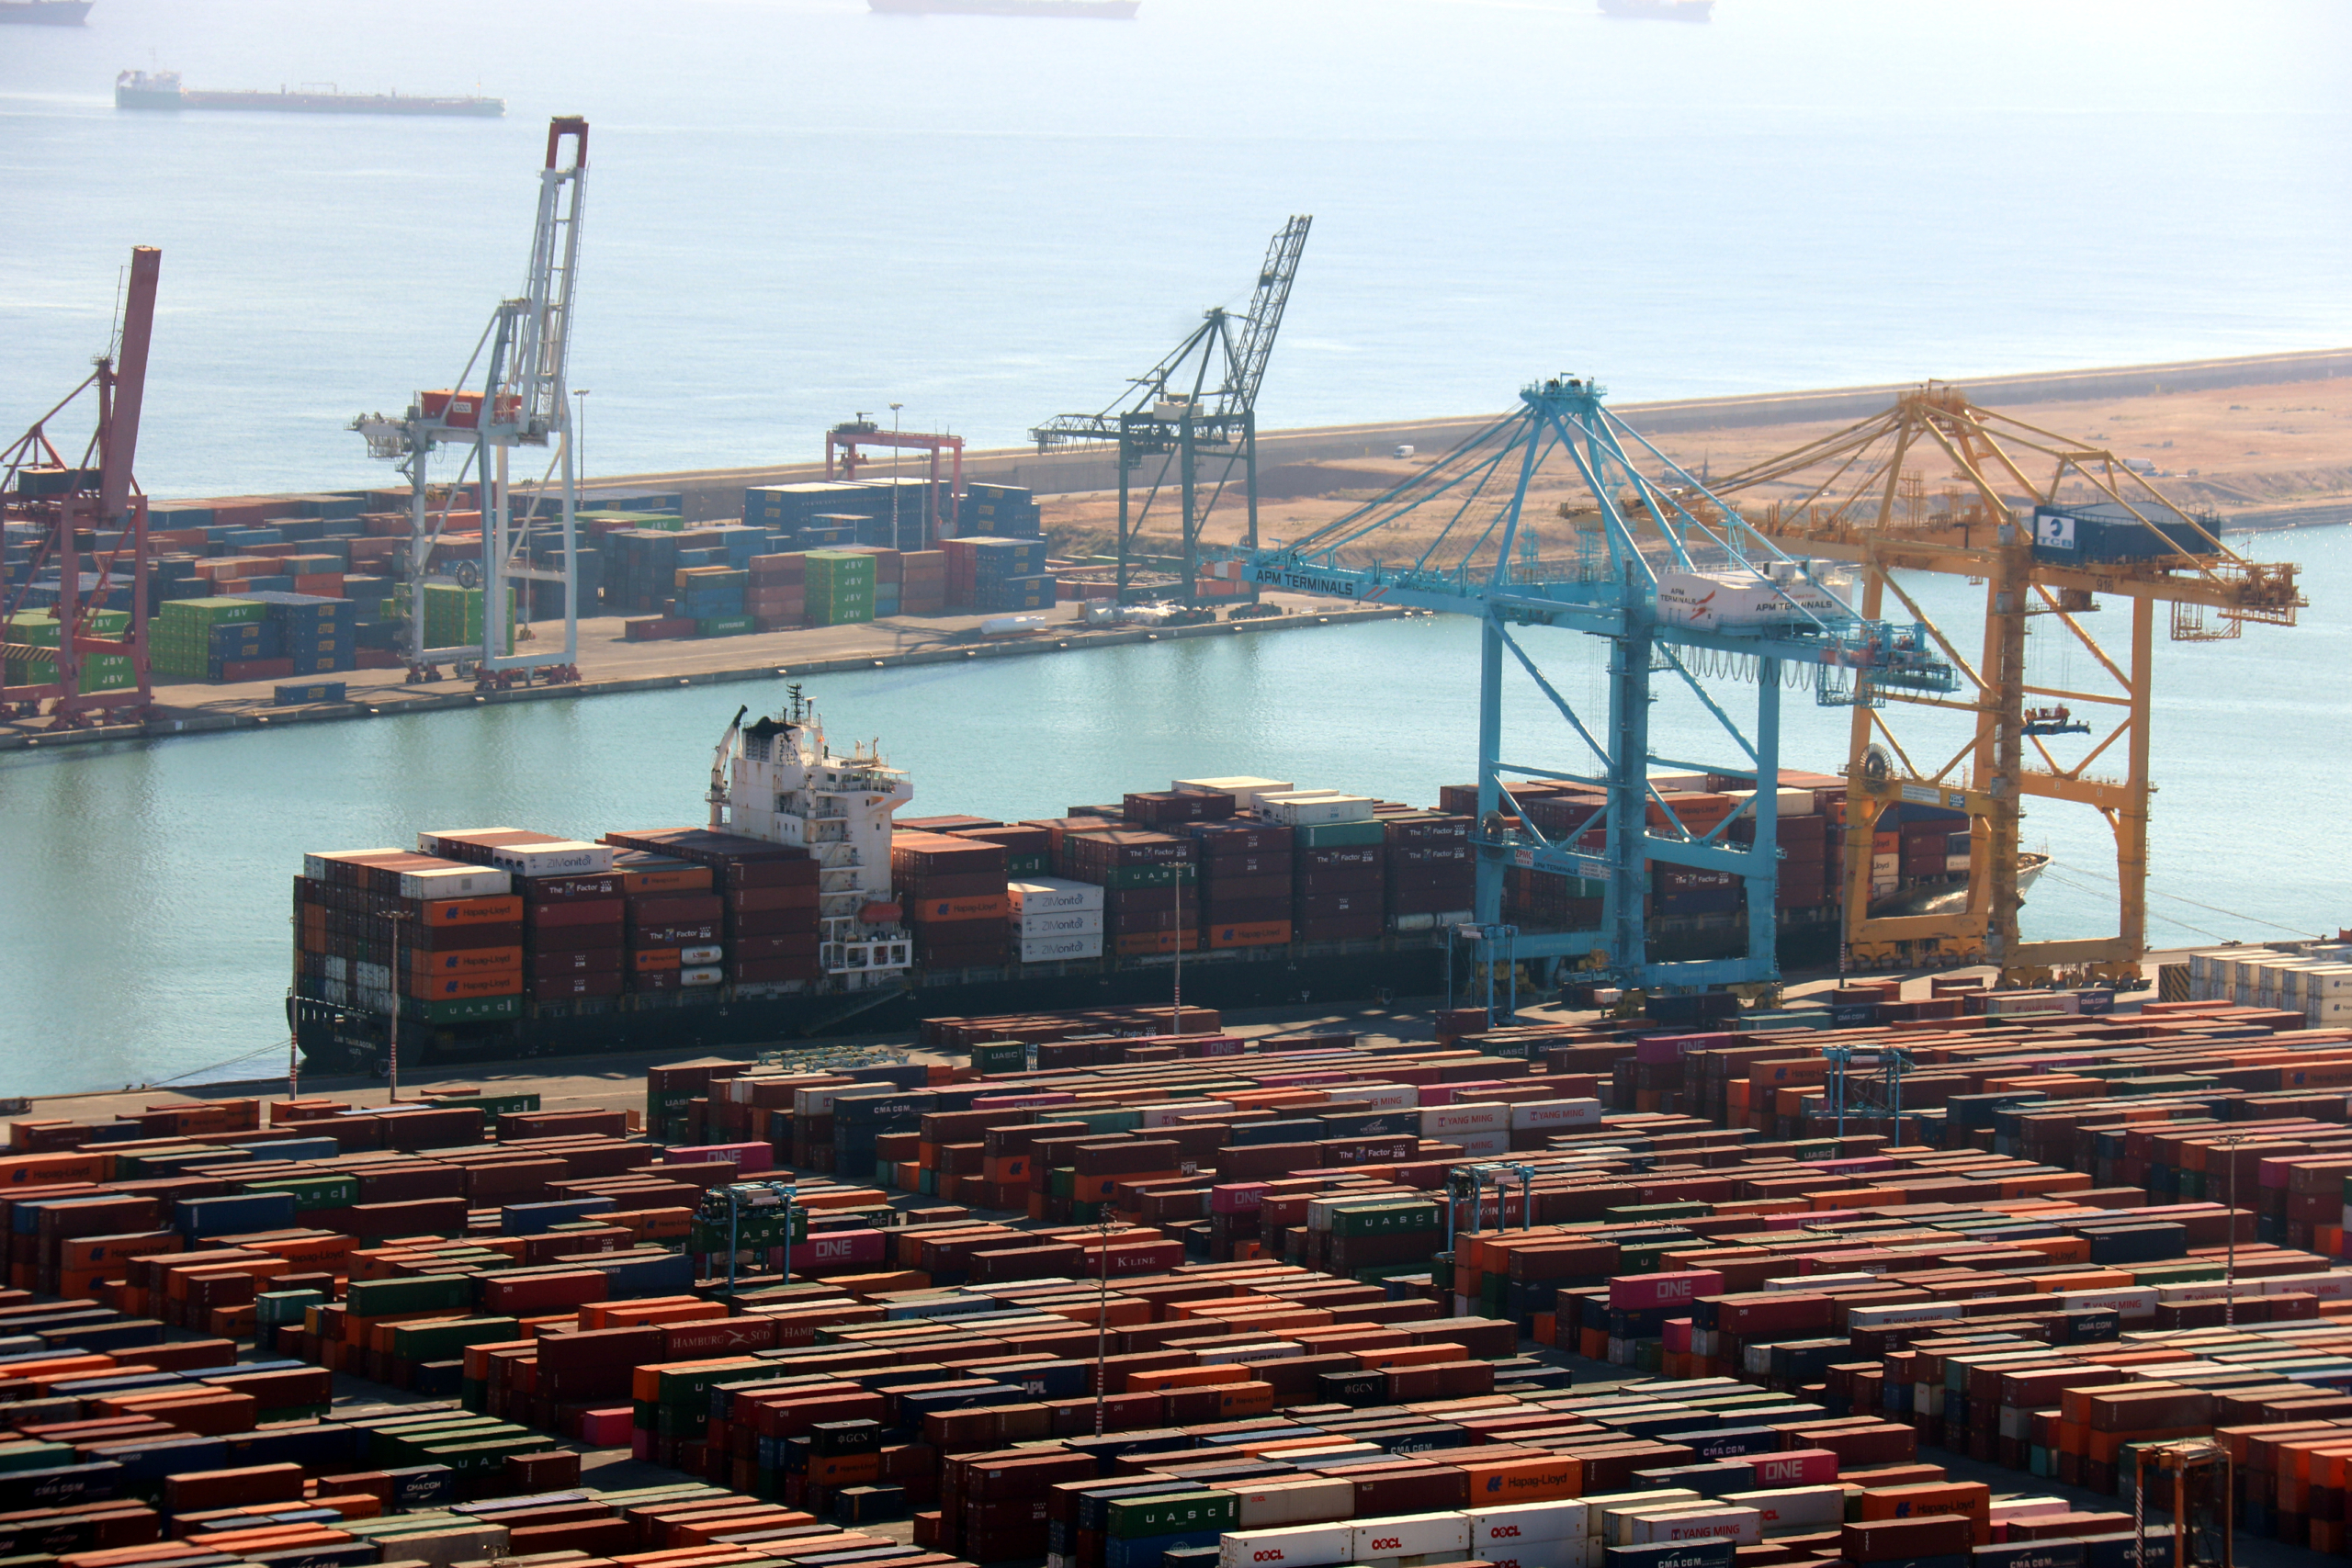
[{"x": 809, "y": 904}]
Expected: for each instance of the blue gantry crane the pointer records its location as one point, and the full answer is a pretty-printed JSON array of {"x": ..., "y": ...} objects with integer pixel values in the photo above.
[{"x": 1678, "y": 585}]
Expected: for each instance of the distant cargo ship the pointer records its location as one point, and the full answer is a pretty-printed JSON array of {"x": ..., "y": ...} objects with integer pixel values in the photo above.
[
  {"x": 1659, "y": 10},
  {"x": 161, "y": 90},
  {"x": 1106, "y": 10},
  {"x": 45, "y": 13}
]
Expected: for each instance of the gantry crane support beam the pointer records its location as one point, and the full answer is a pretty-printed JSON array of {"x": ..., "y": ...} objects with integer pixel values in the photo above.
[
  {"x": 1859, "y": 503},
  {"x": 1652, "y": 575}
]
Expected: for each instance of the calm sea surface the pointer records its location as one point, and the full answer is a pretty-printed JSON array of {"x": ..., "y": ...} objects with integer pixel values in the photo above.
[{"x": 799, "y": 210}]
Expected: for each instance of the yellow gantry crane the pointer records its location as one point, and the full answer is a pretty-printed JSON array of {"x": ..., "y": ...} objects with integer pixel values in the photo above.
[{"x": 2088, "y": 528}]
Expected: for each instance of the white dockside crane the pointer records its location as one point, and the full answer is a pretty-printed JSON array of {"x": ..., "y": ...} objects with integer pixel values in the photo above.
[{"x": 522, "y": 401}]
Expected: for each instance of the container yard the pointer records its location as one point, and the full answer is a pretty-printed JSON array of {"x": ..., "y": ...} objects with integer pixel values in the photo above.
[{"x": 1130, "y": 1287}]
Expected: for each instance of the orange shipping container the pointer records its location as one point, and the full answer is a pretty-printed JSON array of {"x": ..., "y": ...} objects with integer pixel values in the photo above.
[
  {"x": 1256, "y": 933},
  {"x": 503, "y": 911}
]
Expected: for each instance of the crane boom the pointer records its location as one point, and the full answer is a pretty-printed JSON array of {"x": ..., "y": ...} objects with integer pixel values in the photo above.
[
  {"x": 1265, "y": 318},
  {"x": 1200, "y": 401}
]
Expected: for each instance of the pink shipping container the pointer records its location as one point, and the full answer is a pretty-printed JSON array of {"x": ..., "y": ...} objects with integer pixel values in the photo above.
[
  {"x": 1794, "y": 1467},
  {"x": 1641, "y": 1293},
  {"x": 1237, "y": 1197},
  {"x": 746, "y": 1157},
  {"x": 838, "y": 1250}
]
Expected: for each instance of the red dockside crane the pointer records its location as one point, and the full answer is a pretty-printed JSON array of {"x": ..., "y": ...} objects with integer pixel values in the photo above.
[{"x": 87, "y": 520}]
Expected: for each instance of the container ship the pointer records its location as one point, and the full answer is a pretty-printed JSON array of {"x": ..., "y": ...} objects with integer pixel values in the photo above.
[
  {"x": 810, "y": 904},
  {"x": 1106, "y": 10},
  {"x": 161, "y": 90},
  {"x": 45, "y": 13}
]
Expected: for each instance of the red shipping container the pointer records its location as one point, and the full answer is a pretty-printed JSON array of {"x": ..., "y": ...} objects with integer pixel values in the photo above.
[{"x": 562, "y": 987}]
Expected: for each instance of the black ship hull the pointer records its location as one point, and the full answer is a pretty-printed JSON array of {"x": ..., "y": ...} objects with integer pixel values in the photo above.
[{"x": 338, "y": 1038}]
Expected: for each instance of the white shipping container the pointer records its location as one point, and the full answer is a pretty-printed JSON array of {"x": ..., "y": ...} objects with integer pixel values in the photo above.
[
  {"x": 1886, "y": 866},
  {"x": 1412, "y": 1535},
  {"x": 1525, "y": 1521},
  {"x": 1374, "y": 1096},
  {"x": 1955, "y": 862},
  {"x": 456, "y": 882},
  {"x": 1060, "y": 949},
  {"x": 565, "y": 857},
  {"x": 1169, "y": 1112},
  {"x": 1741, "y": 1527},
  {"x": 694, "y": 957},
  {"x": 1571, "y": 1552},
  {"x": 1599, "y": 1509},
  {"x": 1548, "y": 1114},
  {"x": 1310, "y": 810},
  {"x": 2335, "y": 1285},
  {"x": 1244, "y": 790},
  {"x": 1787, "y": 802},
  {"x": 1294, "y": 1546},
  {"x": 1481, "y": 1146},
  {"x": 709, "y": 976},
  {"x": 1712, "y": 600},
  {"x": 1038, "y": 895},
  {"x": 1059, "y": 922},
  {"x": 1324, "y": 1498},
  {"x": 1867, "y": 1317},
  {"x": 1445, "y": 1121},
  {"x": 1795, "y": 1510},
  {"x": 2139, "y": 1301}
]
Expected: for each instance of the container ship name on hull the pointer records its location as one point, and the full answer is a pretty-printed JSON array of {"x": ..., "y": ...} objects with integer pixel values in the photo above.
[
  {"x": 161, "y": 90},
  {"x": 809, "y": 906}
]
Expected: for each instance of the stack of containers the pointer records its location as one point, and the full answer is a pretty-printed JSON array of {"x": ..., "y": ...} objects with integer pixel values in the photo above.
[
  {"x": 1338, "y": 864},
  {"x": 1028, "y": 849},
  {"x": 998, "y": 575},
  {"x": 572, "y": 907},
  {"x": 1002, "y": 511},
  {"x": 1432, "y": 880},
  {"x": 646, "y": 571},
  {"x": 38, "y": 628},
  {"x": 841, "y": 587},
  {"x": 1246, "y": 868},
  {"x": 922, "y": 582},
  {"x": 789, "y": 509},
  {"x": 1151, "y": 896},
  {"x": 1055, "y": 921},
  {"x": 453, "y": 615},
  {"x": 953, "y": 890},
  {"x": 203, "y": 638},
  {"x": 890, "y": 568},
  {"x": 833, "y": 531},
  {"x": 713, "y": 598},
  {"x": 317, "y": 635},
  {"x": 671, "y": 940},
  {"x": 1803, "y": 833},
  {"x": 382, "y": 928},
  {"x": 776, "y": 597}
]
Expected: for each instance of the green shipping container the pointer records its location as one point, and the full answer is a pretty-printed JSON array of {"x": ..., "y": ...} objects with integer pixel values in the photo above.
[
  {"x": 312, "y": 1191},
  {"x": 723, "y": 625},
  {"x": 999, "y": 1057},
  {"x": 409, "y": 1294},
  {"x": 461, "y": 1009},
  {"x": 1174, "y": 1512},
  {"x": 1149, "y": 875},
  {"x": 1388, "y": 1220}
]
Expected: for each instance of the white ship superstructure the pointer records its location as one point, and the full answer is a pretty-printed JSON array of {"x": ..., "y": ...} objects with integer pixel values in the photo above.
[{"x": 784, "y": 786}]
